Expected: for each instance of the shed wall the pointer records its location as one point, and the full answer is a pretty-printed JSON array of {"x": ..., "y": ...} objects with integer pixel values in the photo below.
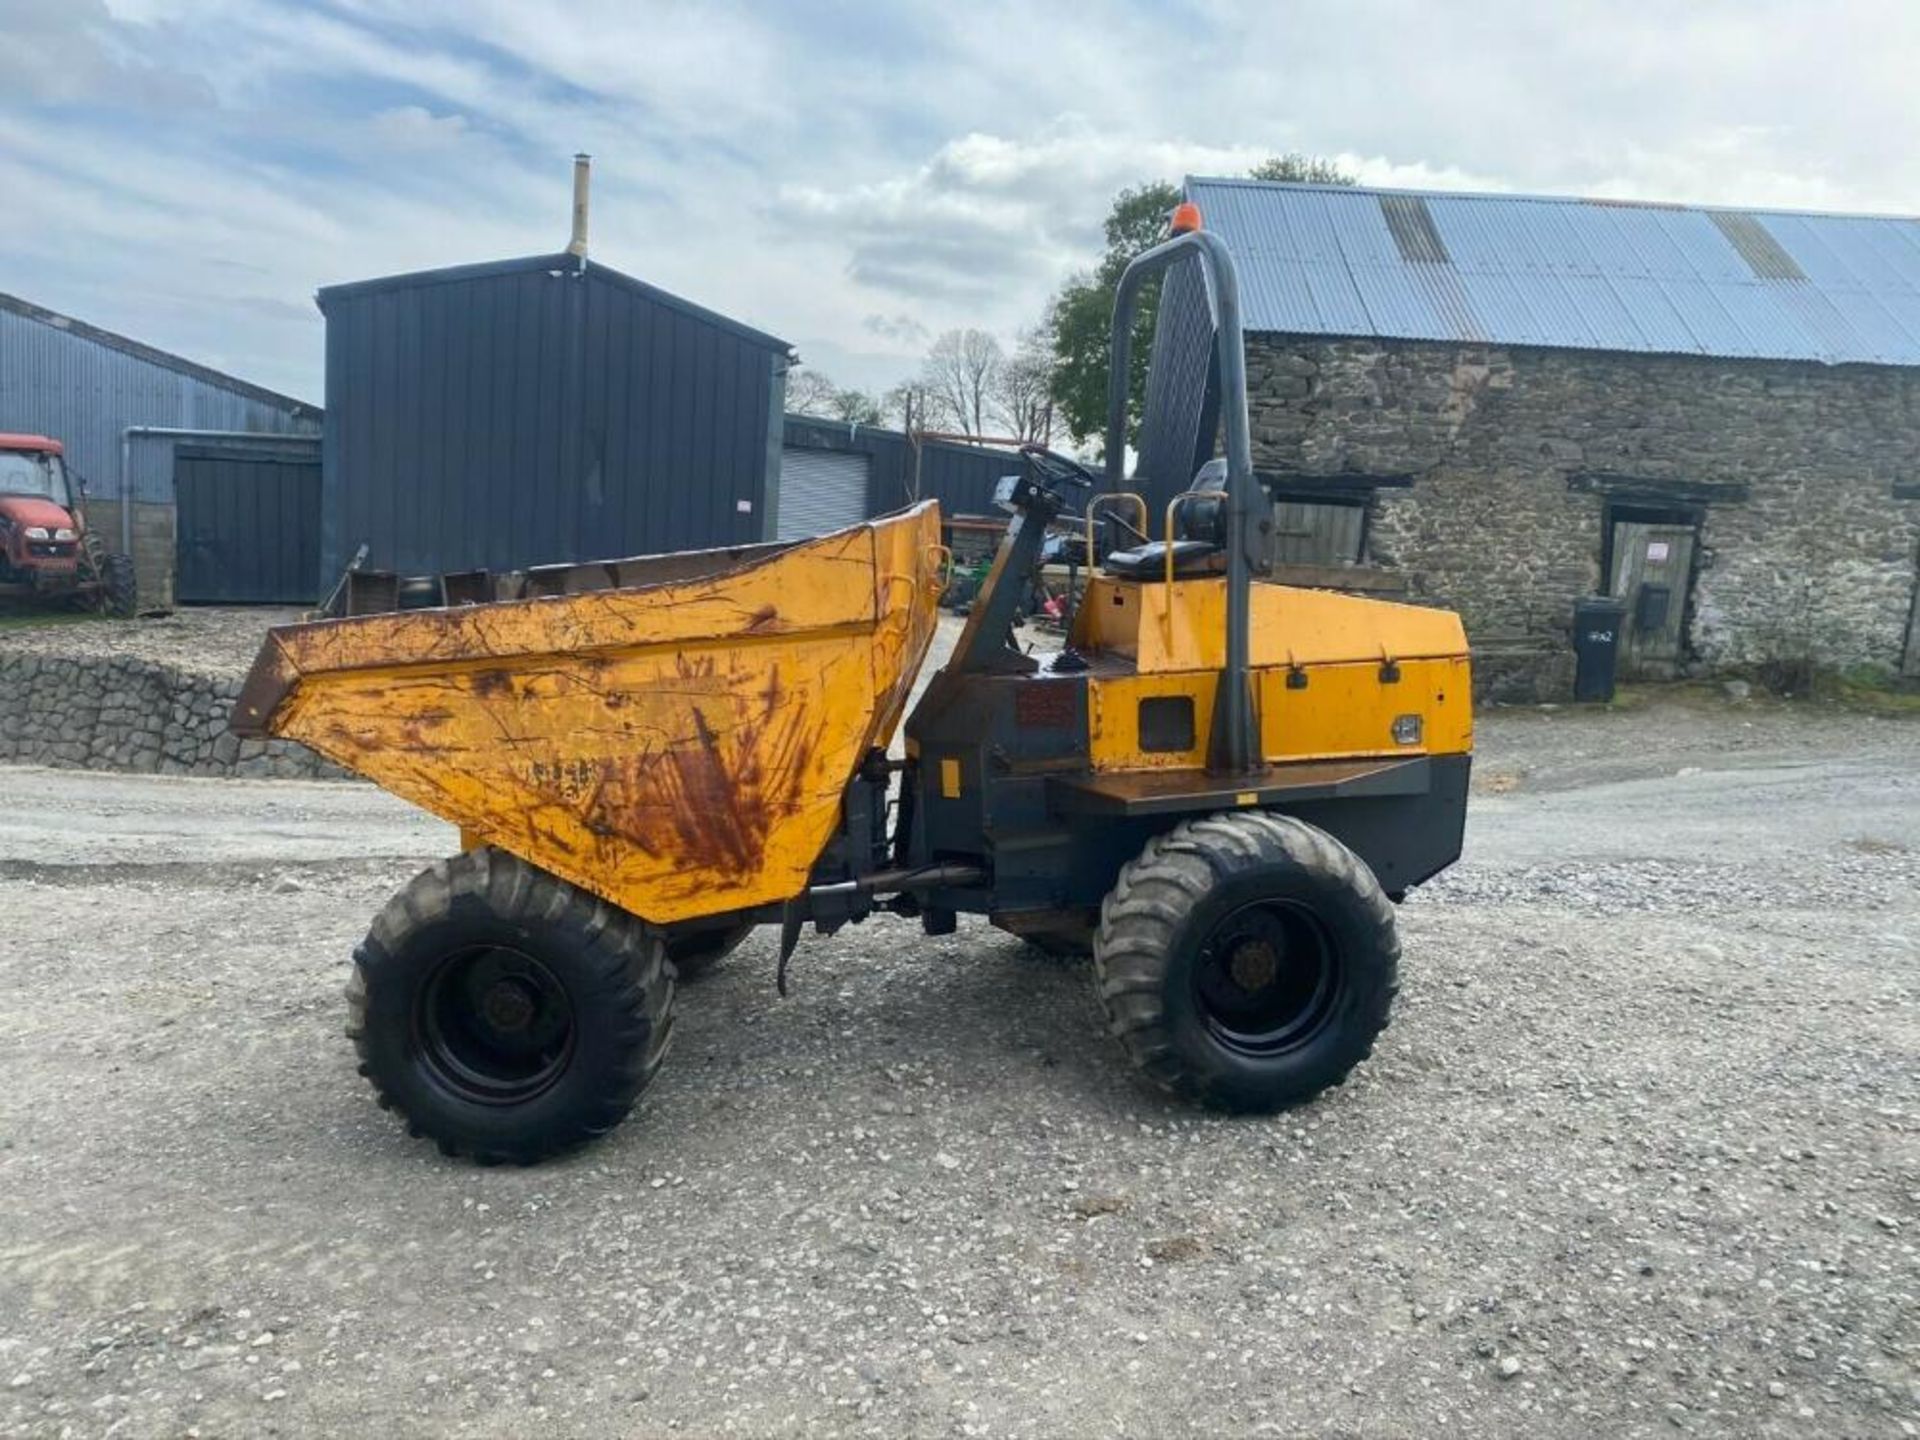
[{"x": 502, "y": 419}]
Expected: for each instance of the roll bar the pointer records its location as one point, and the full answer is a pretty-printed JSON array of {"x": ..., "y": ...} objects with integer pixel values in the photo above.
[{"x": 1234, "y": 748}]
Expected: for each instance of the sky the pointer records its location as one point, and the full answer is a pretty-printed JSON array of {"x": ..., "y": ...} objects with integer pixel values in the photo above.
[{"x": 852, "y": 178}]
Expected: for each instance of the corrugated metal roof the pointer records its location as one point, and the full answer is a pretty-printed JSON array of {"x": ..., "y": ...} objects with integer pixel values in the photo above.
[
  {"x": 83, "y": 386},
  {"x": 1570, "y": 274},
  {"x": 147, "y": 354}
]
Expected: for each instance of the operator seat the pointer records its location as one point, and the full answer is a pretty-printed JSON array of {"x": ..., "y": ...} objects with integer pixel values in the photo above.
[{"x": 1200, "y": 541}]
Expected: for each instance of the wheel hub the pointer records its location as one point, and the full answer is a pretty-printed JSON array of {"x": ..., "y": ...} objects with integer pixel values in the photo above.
[
  {"x": 1267, "y": 978},
  {"x": 1253, "y": 965},
  {"x": 494, "y": 1025},
  {"x": 510, "y": 1005}
]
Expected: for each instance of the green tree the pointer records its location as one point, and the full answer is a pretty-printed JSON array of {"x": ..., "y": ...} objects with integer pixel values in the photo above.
[
  {"x": 1310, "y": 169},
  {"x": 1079, "y": 323},
  {"x": 1079, "y": 320}
]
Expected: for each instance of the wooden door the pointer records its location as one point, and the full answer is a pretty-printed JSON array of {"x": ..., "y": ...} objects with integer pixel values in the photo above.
[{"x": 1652, "y": 570}]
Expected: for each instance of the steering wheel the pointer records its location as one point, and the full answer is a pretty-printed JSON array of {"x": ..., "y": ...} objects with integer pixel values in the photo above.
[{"x": 1057, "y": 469}]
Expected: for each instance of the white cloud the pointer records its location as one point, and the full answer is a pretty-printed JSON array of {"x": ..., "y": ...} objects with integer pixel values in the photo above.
[
  {"x": 414, "y": 129},
  {"x": 901, "y": 329}
]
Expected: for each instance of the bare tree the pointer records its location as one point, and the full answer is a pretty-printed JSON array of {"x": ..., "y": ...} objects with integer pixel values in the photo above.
[
  {"x": 856, "y": 407},
  {"x": 1021, "y": 403},
  {"x": 960, "y": 374},
  {"x": 911, "y": 406},
  {"x": 811, "y": 392}
]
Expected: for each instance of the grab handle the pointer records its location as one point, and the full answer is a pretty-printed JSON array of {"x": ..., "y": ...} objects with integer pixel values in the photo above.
[{"x": 1139, "y": 505}]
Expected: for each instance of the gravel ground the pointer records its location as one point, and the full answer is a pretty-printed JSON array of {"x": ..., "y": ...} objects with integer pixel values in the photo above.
[
  {"x": 1641, "y": 1150},
  {"x": 212, "y": 641}
]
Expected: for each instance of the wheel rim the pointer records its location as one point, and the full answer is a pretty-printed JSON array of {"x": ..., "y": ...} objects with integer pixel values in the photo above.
[
  {"x": 1267, "y": 978},
  {"x": 494, "y": 1025}
]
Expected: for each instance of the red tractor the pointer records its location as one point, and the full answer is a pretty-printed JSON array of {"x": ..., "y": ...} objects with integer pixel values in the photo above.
[{"x": 46, "y": 550}]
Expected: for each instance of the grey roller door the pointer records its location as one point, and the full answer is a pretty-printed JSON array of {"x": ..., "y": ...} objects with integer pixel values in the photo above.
[{"x": 820, "y": 490}]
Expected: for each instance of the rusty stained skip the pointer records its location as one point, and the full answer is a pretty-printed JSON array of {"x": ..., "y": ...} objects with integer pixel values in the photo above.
[{"x": 680, "y": 750}]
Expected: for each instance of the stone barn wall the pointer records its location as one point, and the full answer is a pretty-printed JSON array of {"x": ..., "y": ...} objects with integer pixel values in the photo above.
[{"x": 1498, "y": 465}]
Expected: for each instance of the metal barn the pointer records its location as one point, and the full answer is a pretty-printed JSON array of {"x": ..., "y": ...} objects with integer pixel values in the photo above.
[
  {"x": 123, "y": 409},
  {"x": 539, "y": 411}
]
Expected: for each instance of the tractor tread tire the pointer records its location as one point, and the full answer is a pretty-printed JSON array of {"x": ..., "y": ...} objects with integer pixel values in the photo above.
[
  {"x": 618, "y": 979},
  {"x": 112, "y": 587},
  {"x": 1142, "y": 932},
  {"x": 120, "y": 595}
]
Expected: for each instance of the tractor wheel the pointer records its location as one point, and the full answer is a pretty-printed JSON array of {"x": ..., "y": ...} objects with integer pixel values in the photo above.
[
  {"x": 114, "y": 591},
  {"x": 696, "y": 954},
  {"x": 119, "y": 594},
  {"x": 507, "y": 1014},
  {"x": 1247, "y": 961}
]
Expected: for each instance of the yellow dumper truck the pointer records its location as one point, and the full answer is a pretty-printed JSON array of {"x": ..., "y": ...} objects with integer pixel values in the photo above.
[{"x": 1218, "y": 787}]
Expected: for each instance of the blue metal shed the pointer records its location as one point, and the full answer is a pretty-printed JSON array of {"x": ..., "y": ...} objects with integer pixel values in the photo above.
[{"x": 537, "y": 411}]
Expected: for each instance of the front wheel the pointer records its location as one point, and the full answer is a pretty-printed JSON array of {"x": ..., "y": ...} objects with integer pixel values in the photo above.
[
  {"x": 1247, "y": 961},
  {"x": 506, "y": 1014}
]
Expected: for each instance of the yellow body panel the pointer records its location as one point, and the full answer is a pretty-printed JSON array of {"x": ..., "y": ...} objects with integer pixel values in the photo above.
[
  {"x": 1183, "y": 626},
  {"x": 1345, "y": 711},
  {"x": 679, "y": 749},
  {"x": 1319, "y": 664},
  {"x": 1113, "y": 716}
]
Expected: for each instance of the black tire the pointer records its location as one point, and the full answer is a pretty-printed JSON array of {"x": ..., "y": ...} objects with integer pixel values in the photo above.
[
  {"x": 1247, "y": 961},
  {"x": 699, "y": 953},
  {"x": 1061, "y": 944},
  {"x": 120, "y": 592},
  {"x": 115, "y": 589},
  {"x": 506, "y": 1014}
]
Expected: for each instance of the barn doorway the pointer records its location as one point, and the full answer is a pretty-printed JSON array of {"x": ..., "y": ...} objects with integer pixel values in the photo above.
[
  {"x": 247, "y": 526},
  {"x": 1650, "y": 562}
]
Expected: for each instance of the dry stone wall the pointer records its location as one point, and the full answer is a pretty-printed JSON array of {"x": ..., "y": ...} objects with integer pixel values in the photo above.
[{"x": 102, "y": 713}]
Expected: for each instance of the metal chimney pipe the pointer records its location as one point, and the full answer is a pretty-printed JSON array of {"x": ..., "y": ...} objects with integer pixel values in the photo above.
[{"x": 582, "y": 174}]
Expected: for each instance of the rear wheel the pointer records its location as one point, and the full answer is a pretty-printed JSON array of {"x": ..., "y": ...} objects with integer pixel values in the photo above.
[
  {"x": 114, "y": 589},
  {"x": 119, "y": 594},
  {"x": 1247, "y": 961},
  {"x": 507, "y": 1014}
]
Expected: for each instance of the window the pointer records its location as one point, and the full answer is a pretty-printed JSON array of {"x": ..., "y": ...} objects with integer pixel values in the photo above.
[
  {"x": 33, "y": 472},
  {"x": 1319, "y": 532}
]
